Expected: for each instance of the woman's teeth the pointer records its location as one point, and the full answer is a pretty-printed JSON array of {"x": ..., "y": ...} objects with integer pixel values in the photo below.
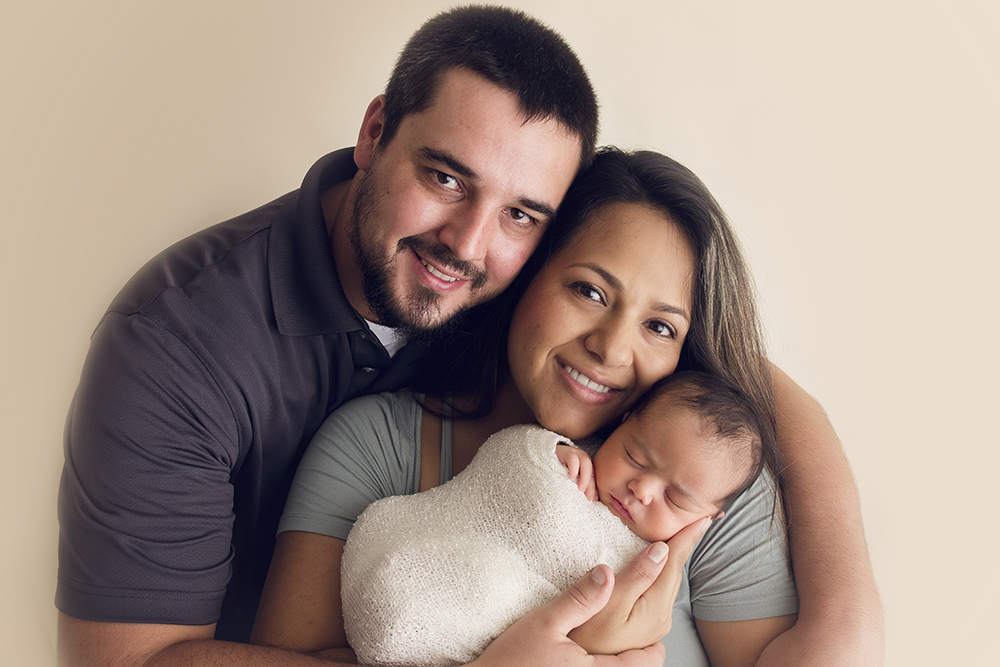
[
  {"x": 586, "y": 381},
  {"x": 437, "y": 274}
]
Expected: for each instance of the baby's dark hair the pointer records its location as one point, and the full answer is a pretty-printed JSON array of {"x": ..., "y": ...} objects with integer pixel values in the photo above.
[{"x": 726, "y": 413}]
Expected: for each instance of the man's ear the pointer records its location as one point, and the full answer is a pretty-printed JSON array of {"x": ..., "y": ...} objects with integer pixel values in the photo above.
[{"x": 371, "y": 131}]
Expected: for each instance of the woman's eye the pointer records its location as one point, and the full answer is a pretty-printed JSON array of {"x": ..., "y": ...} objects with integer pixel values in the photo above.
[
  {"x": 589, "y": 292},
  {"x": 447, "y": 180},
  {"x": 662, "y": 329}
]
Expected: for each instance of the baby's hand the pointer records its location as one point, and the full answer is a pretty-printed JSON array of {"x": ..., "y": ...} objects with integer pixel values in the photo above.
[{"x": 580, "y": 467}]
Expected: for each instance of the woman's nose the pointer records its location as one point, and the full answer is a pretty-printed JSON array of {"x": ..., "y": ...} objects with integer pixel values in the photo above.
[{"x": 611, "y": 342}]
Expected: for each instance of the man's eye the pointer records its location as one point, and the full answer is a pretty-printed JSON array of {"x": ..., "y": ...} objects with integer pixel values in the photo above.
[
  {"x": 446, "y": 180},
  {"x": 520, "y": 216}
]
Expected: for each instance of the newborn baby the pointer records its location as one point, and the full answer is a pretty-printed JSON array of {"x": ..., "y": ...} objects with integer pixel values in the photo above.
[{"x": 431, "y": 579}]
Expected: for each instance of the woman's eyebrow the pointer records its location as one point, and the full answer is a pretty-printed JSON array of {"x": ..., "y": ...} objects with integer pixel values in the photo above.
[
  {"x": 609, "y": 278},
  {"x": 616, "y": 285}
]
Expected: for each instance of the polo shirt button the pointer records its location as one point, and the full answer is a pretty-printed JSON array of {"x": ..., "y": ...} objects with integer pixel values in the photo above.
[{"x": 368, "y": 369}]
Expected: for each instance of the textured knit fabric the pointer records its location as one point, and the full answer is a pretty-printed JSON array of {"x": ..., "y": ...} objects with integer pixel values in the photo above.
[
  {"x": 205, "y": 380},
  {"x": 370, "y": 449},
  {"x": 431, "y": 579}
]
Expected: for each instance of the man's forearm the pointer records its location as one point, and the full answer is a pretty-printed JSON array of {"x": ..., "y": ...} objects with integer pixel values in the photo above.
[
  {"x": 95, "y": 644},
  {"x": 212, "y": 653},
  {"x": 840, "y": 611}
]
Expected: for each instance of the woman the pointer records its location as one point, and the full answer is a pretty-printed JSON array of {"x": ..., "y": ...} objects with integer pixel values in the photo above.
[{"x": 643, "y": 276}]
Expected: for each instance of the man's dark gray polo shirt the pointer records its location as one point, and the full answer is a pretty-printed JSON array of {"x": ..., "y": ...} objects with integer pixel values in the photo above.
[{"x": 205, "y": 380}]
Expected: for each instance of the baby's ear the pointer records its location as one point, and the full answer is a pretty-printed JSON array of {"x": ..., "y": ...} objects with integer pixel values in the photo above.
[{"x": 720, "y": 515}]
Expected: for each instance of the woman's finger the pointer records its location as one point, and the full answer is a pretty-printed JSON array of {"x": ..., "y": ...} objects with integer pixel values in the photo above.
[
  {"x": 582, "y": 600},
  {"x": 663, "y": 592},
  {"x": 639, "y": 575}
]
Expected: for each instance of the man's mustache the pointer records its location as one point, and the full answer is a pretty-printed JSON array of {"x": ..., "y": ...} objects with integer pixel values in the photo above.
[{"x": 442, "y": 255}]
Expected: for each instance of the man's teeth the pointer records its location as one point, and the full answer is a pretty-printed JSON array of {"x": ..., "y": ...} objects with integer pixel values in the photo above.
[
  {"x": 586, "y": 381},
  {"x": 438, "y": 274}
]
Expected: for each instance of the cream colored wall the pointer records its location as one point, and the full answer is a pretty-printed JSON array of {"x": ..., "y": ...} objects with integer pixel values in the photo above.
[{"x": 853, "y": 143}]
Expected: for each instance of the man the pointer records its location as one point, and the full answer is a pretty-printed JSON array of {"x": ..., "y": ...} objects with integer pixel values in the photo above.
[{"x": 213, "y": 367}]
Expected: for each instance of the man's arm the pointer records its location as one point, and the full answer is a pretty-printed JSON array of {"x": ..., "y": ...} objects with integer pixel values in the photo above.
[
  {"x": 840, "y": 613},
  {"x": 92, "y": 644}
]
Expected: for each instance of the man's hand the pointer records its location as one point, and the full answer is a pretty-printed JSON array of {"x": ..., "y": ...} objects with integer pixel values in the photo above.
[
  {"x": 580, "y": 468},
  {"x": 540, "y": 638},
  {"x": 640, "y": 608}
]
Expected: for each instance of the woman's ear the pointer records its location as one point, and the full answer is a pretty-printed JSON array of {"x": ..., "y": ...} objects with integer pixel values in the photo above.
[{"x": 370, "y": 133}]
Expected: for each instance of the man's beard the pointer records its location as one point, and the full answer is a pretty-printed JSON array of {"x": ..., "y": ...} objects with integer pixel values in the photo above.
[{"x": 416, "y": 315}]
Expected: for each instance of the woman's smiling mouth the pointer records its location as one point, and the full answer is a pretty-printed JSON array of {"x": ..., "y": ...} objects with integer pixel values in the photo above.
[{"x": 585, "y": 381}]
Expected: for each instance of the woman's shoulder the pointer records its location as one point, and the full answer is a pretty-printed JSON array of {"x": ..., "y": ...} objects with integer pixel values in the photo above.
[{"x": 388, "y": 417}]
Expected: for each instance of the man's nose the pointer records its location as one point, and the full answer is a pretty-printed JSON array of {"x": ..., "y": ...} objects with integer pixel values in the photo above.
[{"x": 469, "y": 232}]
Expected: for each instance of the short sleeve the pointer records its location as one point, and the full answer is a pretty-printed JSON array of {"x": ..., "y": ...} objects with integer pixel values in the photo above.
[
  {"x": 741, "y": 569},
  {"x": 366, "y": 450},
  {"x": 151, "y": 442}
]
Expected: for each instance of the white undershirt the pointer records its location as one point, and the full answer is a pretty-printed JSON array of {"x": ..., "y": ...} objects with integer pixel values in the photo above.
[{"x": 390, "y": 338}]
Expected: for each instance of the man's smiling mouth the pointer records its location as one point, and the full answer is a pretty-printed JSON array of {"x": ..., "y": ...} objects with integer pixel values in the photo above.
[{"x": 437, "y": 274}]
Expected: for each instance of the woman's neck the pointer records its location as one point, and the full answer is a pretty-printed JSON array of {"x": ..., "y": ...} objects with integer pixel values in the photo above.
[{"x": 468, "y": 435}]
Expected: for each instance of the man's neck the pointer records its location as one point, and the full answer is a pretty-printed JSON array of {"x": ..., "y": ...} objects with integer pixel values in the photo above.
[{"x": 336, "y": 202}]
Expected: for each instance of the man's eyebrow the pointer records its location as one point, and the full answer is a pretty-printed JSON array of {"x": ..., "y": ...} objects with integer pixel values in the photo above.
[
  {"x": 617, "y": 285},
  {"x": 462, "y": 169},
  {"x": 538, "y": 207},
  {"x": 449, "y": 160}
]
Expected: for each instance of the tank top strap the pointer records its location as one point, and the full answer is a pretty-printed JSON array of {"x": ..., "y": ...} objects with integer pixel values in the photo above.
[{"x": 446, "y": 463}]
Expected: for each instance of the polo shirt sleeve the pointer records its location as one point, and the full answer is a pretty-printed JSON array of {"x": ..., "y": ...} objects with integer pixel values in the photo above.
[
  {"x": 741, "y": 569},
  {"x": 366, "y": 450},
  {"x": 146, "y": 499}
]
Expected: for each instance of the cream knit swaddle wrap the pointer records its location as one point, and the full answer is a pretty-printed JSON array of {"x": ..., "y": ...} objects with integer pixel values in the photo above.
[{"x": 433, "y": 578}]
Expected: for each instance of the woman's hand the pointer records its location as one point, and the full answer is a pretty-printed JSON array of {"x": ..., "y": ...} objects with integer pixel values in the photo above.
[
  {"x": 639, "y": 612},
  {"x": 540, "y": 637}
]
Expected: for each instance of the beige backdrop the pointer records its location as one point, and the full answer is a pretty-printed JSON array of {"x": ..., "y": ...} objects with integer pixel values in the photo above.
[{"x": 855, "y": 145}]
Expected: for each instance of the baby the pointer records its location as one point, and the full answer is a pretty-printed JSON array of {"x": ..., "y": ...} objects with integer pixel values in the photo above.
[
  {"x": 685, "y": 451},
  {"x": 433, "y": 578}
]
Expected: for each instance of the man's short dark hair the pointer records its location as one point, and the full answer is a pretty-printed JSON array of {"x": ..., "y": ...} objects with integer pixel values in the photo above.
[{"x": 510, "y": 49}]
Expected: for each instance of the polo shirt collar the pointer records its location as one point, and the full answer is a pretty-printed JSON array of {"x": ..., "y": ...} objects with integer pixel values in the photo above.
[{"x": 305, "y": 290}]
